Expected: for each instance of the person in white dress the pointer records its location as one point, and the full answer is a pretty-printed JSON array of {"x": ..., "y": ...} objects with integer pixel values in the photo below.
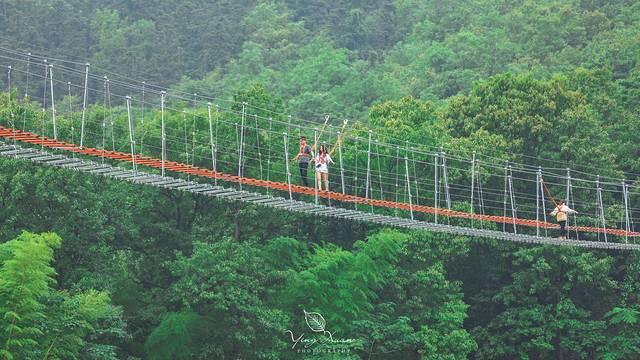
[
  {"x": 322, "y": 160},
  {"x": 560, "y": 212}
]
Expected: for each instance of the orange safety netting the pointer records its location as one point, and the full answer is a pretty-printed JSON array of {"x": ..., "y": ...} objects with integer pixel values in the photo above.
[{"x": 35, "y": 139}]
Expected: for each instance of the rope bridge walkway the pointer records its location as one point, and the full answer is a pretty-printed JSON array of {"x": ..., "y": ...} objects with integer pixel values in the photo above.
[{"x": 201, "y": 140}]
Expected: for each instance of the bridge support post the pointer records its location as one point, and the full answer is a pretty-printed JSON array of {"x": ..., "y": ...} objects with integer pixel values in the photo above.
[
  {"x": 368, "y": 181},
  {"x": 53, "y": 104},
  {"x": 600, "y": 209},
  {"x": 84, "y": 104},
  {"x": 73, "y": 130},
  {"x": 316, "y": 181},
  {"x": 415, "y": 174},
  {"x": 504, "y": 198},
  {"x": 132, "y": 138},
  {"x": 241, "y": 145},
  {"x": 627, "y": 221},
  {"x": 397, "y": 177},
  {"x": 340, "y": 160},
  {"x": 538, "y": 183},
  {"x": 286, "y": 161},
  {"x": 164, "y": 134},
  {"x": 406, "y": 168},
  {"x": 570, "y": 200},
  {"x": 512, "y": 201},
  {"x": 473, "y": 183},
  {"x": 211, "y": 144},
  {"x": 436, "y": 185}
]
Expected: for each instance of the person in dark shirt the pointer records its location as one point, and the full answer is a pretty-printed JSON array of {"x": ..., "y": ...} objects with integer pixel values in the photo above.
[{"x": 303, "y": 157}]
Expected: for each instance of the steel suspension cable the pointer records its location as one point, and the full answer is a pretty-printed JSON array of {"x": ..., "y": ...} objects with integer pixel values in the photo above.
[
  {"x": 258, "y": 146},
  {"x": 415, "y": 176},
  {"x": 84, "y": 104},
  {"x": 380, "y": 173}
]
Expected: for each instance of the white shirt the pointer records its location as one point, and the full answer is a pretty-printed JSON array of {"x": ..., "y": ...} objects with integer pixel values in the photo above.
[{"x": 563, "y": 208}]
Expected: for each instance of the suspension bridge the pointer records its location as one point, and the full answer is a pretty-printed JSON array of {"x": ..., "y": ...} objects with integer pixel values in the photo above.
[{"x": 236, "y": 151}]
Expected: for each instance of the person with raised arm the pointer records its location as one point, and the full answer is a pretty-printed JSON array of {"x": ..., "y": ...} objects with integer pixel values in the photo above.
[{"x": 322, "y": 161}]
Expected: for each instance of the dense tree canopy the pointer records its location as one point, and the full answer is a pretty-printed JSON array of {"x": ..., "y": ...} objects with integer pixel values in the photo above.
[{"x": 93, "y": 268}]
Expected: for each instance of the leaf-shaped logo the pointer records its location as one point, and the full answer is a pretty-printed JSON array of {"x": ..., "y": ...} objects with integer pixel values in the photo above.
[{"x": 315, "y": 321}]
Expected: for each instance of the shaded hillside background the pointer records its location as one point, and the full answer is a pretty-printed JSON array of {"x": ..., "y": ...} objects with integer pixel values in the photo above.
[{"x": 134, "y": 272}]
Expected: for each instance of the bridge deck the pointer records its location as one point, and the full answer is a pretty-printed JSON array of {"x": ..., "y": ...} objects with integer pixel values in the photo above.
[{"x": 231, "y": 194}]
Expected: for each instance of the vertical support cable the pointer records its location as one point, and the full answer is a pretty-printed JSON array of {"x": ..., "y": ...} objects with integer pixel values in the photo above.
[
  {"x": 571, "y": 201},
  {"x": 113, "y": 137},
  {"x": 241, "y": 144},
  {"x": 53, "y": 104},
  {"x": 340, "y": 159},
  {"x": 511, "y": 197},
  {"x": 445, "y": 178},
  {"x": 480, "y": 195},
  {"x": 355, "y": 179},
  {"x": 73, "y": 130},
  {"x": 269, "y": 153},
  {"x": 436, "y": 185},
  {"x": 186, "y": 141},
  {"x": 46, "y": 84},
  {"x": 144, "y": 84},
  {"x": 316, "y": 181},
  {"x": 84, "y": 104},
  {"x": 164, "y": 134},
  {"x": 379, "y": 172},
  {"x": 473, "y": 183},
  {"x": 211, "y": 144},
  {"x": 26, "y": 92},
  {"x": 415, "y": 175},
  {"x": 104, "y": 117},
  {"x": 193, "y": 130},
  {"x": 397, "y": 177},
  {"x": 504, "y": 198},
  {"x": 368, "y": 180},
  {"x": 132, "y": 139},
  {"x": 627, "y": 222},
  {"x": 215, "y": 140},
  {"x": 544, "y": 203},
  {"x": 44, "y": 97},
  {"x": 10, "y": 101},
  {"x": 538, "y": 183},
  {"x": 568, "y": 185},
  {"x": 258, "y": 145},
  {"x": 601, "y": 208},
  {"x": 13, "y": 122},
  {"x": 369, "y": 190},
  {"x": 286, "y": 161},
  {"x": 406, "y": 168}
]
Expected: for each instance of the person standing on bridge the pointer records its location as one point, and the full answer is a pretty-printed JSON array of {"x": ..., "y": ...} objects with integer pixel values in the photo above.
[
  {"x": 561, "y": 212},
  {"x": 322, "y": 169},
  {"x": 303, "y": 159}
]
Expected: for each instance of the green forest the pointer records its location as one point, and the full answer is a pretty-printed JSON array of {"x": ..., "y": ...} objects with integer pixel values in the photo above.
[{"x": 94, "y": 268}]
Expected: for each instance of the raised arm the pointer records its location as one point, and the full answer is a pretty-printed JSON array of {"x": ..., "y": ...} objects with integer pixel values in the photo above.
[{"x": 300, "y": 150}]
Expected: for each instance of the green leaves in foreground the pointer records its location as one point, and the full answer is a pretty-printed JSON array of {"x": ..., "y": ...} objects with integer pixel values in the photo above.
[{"x": 38, "y": 321}]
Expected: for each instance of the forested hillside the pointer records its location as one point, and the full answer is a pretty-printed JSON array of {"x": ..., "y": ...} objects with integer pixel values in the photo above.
[{"x": 94, "y": 268}]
